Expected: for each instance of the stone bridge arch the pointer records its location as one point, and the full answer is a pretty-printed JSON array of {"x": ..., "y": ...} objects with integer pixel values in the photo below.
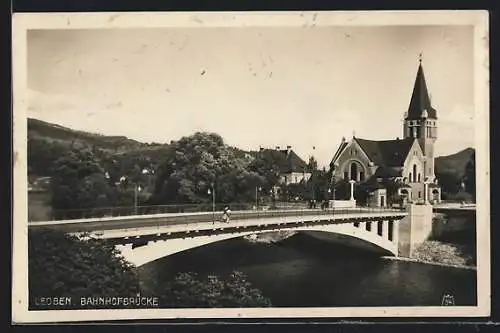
[{"x": 357, "y": 234}]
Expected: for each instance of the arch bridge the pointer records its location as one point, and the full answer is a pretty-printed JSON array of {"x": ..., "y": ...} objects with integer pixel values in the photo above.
[{"x": 142, "y": 239}]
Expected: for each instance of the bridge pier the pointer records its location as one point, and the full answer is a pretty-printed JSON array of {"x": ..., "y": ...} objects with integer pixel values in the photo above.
[
  {"x": 395, "y": 232},
  {"x": 414, "y": 229}
]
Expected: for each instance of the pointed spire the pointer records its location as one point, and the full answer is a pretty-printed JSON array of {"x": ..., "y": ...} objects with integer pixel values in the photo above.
[{"x": 420, "y": 100}]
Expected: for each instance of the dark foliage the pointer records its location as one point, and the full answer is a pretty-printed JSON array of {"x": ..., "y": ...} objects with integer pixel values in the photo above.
[
  {"x": 66, "y": 266},
  {"x": 200, "y": 165},
  {"x": 470, "y": 176},
  {"x": 187, "y": 290}
]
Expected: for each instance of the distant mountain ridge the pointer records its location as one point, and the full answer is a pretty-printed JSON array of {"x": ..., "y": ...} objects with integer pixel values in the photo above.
[
  {"x": 54, "y": 132},
  {"x": 42, "y": 130},
  {"x": 454, "y": 163}
]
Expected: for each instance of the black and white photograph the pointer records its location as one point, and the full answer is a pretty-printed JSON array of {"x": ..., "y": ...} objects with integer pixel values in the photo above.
[{"x": 250, "y": 165}]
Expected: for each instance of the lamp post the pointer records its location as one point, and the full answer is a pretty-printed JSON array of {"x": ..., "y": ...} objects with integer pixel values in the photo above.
[
  {"x": 137, "y": 188},
  {"x": 212, "y": 191},
  {"x": 334, "y": 168},
  {"x": 257, "y": 189},
  {"x": 273, "y": 197}
]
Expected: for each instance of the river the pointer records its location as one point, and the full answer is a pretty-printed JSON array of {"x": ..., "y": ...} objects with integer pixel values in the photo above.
[{"x": 302, "y": 271}]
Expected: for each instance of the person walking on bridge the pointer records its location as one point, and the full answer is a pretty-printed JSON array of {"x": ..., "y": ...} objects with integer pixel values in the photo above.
[{"x": 226, "y": 214}]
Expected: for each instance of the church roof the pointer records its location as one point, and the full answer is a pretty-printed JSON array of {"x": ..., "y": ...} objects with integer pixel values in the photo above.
[
  {"x": 420, "y": 100},
  {"x": 339, "y": 151},
  {"x": 387, "y": 172},
  {"x": 388, "y": 153}
]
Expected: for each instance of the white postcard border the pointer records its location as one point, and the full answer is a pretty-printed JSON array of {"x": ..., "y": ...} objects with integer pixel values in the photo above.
[{"x": 26, "y": 21}]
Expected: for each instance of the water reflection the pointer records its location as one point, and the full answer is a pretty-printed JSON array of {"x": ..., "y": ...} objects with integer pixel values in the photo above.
[{"x": 302, "y": 271}]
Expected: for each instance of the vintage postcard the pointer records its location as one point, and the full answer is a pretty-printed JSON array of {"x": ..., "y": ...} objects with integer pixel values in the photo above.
[{"x": 250, "y": 165}]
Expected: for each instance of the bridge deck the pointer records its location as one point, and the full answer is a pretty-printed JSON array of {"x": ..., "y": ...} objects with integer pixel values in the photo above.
[{"x": 195, "y": 222}]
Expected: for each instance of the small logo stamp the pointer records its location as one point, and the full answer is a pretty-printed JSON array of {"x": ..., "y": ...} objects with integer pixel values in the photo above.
[{"x": 448, "y": 300}]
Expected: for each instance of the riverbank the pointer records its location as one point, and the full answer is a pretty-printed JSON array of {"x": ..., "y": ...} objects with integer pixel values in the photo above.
[
  {"x": 433, "y": 252},
  {"x": 434, "y": 263},
  {"x": 270, "y": 237},
  {"x": 445, "y": 253}
]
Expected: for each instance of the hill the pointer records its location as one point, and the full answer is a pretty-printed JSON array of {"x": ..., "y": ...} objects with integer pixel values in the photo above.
[
  {"x": 64, "y": 135},
  {"x": 47, "y": 142},
  {"x": 454, "y": 163}
]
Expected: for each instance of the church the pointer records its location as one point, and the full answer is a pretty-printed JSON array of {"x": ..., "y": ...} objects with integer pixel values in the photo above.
[{"x": 394, "y": 171}]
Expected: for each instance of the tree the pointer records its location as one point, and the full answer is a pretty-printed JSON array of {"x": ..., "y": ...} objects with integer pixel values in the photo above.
[
  {"x": 197, "y": 164},
  {"x": 342, "y": 190},
  {"x": 450, "y": 183},
  {"x": 312, "y": 166},
  {"x": 42, "y": 154},
  {"x": 470, "y": 176},
  {"x": 267, "y": 164},
  {"x": 67, "y": 266},
  {"x": 79, "y": 182},
  {"x": 300, "y": 190},
  {"x": 187, "y": 290}
]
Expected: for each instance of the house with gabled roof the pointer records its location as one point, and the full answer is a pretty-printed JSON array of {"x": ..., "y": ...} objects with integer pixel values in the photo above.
[
  {"x": 291, "y": 168},
  {"x": 405, "y": 165}
]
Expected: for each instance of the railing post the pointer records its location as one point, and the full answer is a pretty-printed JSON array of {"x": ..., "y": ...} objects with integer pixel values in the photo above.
[
  {"x": 385, "y": 229},
  {"x": 362, "y": 225}
]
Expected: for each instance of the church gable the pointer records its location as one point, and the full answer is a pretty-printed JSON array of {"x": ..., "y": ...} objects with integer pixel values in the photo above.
[
  {"x": 351, "y": 162},
  {"x": 414, "y": 163}
]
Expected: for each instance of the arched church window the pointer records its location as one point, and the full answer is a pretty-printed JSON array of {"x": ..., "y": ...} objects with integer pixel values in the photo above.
[
  {"x": 362, "y": 176},
  {"x": 409, "y": 177},
  {"x": 419, "y": 178},
  {"x": 414, "y": 173},
  {"x": 354, "y": 171}
]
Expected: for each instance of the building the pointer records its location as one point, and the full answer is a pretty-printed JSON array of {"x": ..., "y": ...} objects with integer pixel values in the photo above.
[
  {"x": 291, "y": 168},
  {"x": 400, "y": 168}
]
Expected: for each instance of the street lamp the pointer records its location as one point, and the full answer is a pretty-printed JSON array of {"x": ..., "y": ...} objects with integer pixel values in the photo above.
[
  {"x": 257, "y": 189},
  {"x": 212, "y": 191},
  {"x": 137, "y": 188},
  {"x": 334, "y": 168}
]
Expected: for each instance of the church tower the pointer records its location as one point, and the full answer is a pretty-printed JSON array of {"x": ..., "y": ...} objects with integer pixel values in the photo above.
[{"x": 420, "y": 121}]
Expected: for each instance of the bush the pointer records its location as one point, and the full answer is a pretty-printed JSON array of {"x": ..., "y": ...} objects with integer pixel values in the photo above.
[
  {"x": 189, "y": 291},
  {"x": 458, "y": 197},
  {"x": 60, "y": 265}
]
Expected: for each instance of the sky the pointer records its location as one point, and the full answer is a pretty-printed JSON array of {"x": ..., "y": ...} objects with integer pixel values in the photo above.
[{"x": 255, "y": 86}]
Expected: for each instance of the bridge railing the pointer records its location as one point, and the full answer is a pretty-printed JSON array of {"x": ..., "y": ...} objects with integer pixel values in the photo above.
[
  {"x": 70, "y": 214},
  {"x": 156, "y": 221}
]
